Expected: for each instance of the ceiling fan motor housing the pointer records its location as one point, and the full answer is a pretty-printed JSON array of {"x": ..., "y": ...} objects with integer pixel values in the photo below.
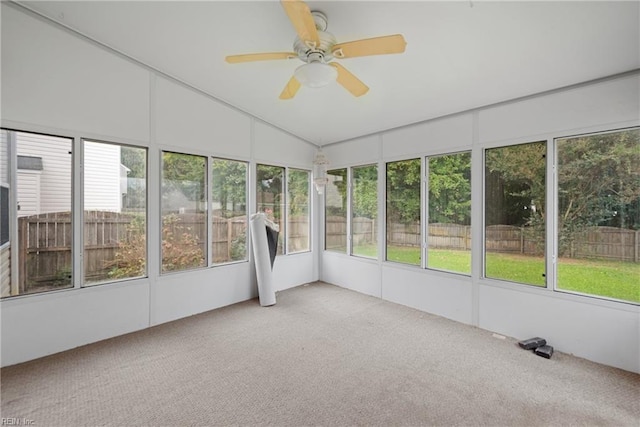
[
  {"x": 307, "y": 54},
  {"x": 320, "y": 53}
]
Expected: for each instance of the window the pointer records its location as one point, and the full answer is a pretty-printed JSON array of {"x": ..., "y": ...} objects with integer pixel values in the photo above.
[
  {"x": 449, "y": 230},
  {"x": 514, "y": 213},
  {"x": 364, "y": 213},
  {"x": 335, "y": 216},
  {"x": 298, "y": 183},
  {"x": 229, "y": 204},
  {"x": 270, "y": 193},
  {"x": 598, "y": 214},
  {"x": 115, "y": 206},
  {"x": 43, "y": 211},
  {"x": 404, "y": 242},
  {"x": 183, "y": 207}
]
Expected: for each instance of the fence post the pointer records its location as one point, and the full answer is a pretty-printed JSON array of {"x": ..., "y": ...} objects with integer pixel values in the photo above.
[
  {"x": 23, "y": 230},
  {"x": 636, "y": 246},
  {"x": 373, "y": 230},
  {"x": 229, "y": 231},
  {"x": 521, "y": 240}
]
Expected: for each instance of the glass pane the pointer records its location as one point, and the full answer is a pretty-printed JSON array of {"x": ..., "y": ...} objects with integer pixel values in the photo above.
[
  {"x": 5, "y": 244},
  {"x": 335, "y": 215},
  {"x": 599, "y": 214},
  {"x": 364, "y": 230},
  {"x": 403, "y": 212},
  {"x": 298, "y": 211},
  {"x": 450, "y": 213},
  {"x": 514, "y": 213},
  {"x": 115, "y": 205},
  {"x": 229, "y": 200},
  {"x": 183, "y": 204},
  {"x": 44, "y": 213},
  {"x": 270, "y": 193}
]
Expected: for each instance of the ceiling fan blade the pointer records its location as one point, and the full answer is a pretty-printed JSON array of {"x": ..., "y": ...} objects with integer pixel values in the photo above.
[
  {"x": 375, "y": 46},
  {"x": 249, "y": 57},
  {"x": 290, "y": 89},
  {"x": 300, "y": 16},
  {"x": 349, "y": 81}
]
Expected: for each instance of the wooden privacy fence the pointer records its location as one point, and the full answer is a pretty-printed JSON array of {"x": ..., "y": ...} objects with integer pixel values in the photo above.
[
  {"x": 616, "y": 244},
  {"x": 45, "y": 240},
  {"x": 607, "y": 243},
  {"x": 44, "y": 243},
  {"x": 364, "y": 231}
]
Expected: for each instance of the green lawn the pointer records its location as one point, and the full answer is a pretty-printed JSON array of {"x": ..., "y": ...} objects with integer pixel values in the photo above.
[{"x": 619, "y": 280}]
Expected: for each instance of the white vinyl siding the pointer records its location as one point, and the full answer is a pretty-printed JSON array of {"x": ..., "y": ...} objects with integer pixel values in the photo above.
[
  {"x": 55, "y": 188},
  {"x": 5, "y": 263},
  {"x": 29, "y": 192},
  {"x": 4, "y": 158},
  {"x": 102, "y": 176}
]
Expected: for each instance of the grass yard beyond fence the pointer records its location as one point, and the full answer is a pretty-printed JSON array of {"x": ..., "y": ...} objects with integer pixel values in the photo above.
[{"x": 612, "y": 279}]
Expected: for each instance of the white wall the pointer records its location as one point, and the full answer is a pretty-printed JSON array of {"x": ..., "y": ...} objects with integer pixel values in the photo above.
[
  {"x": 58, "y": 83},
  {"x": 603, "y": 331}
]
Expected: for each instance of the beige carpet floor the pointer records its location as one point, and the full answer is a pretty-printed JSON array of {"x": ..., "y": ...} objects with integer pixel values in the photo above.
[{"x": 322, "y": 356}]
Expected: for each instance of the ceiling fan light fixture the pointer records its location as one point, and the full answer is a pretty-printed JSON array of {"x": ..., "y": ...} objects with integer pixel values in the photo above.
[{"x": 315, "y": 74}]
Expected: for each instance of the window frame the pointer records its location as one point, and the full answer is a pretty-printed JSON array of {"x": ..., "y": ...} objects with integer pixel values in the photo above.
[
  {"x": 421, "y": 241},
  {"x": 81, "y": 210},
  {"x": 347, "y": 210},
  {"x": 553, "y": 208},
  {"x": 309, "y": 209},
  {"x": 247, "y": 209},
  {"x": 207, "y": 212},
  {"x": 350, "y": 209},
  {"x": 426, "y": 205}
]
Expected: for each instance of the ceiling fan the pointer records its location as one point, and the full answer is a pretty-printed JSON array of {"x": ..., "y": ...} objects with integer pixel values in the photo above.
[{"x": 317, "y": 47}]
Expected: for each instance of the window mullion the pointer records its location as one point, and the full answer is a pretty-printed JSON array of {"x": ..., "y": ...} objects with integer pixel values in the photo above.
[
  {"x": 551, "y": 209},
  {"x": 77, "y": 214},
  {"x": 13, "y": 212},
  {"x": 424, "y": 212},
  {"x": 349, "y": 247}
]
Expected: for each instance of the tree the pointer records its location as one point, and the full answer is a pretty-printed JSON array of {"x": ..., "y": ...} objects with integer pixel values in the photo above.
[
  {"x": 403, "y": 191},
  {"x": 229, "y": 184},
  {"x": 185, "y": 173},
  {"x": 365, "y": 191},
  {"x": 135, "y": 160},
  {"x": 515, "y": 182},
  {"x": 269, "y": 189},
  {"x": 298, "y": 187},
  {"x": 450, "y": 189},
  {"x": 598, "y": 183}
]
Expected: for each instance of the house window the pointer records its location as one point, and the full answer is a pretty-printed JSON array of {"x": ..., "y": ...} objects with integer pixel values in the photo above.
[
  {"x": 598, "y": 214},
  {"x": 298, "y": 224},
  {"x": 404, "y": 237},
  {"x": 335, "y": 215},
  {"x": 183, "y": 207},
  {"x": 229, "y": 204},
  {"x": 270, "y": 193},
  {"x": 115, "y": 212},
  {"x": 449, "y": 229},
  {"x": 364, "y": 211},
  {"x": 515, "y": 197}
]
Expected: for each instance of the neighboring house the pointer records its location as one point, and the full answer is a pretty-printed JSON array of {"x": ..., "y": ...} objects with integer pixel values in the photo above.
[{"x": 44, "y": 175}]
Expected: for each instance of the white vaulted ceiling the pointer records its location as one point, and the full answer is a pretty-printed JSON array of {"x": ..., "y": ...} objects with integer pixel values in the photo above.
[{"x": 459, "y": 55}]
